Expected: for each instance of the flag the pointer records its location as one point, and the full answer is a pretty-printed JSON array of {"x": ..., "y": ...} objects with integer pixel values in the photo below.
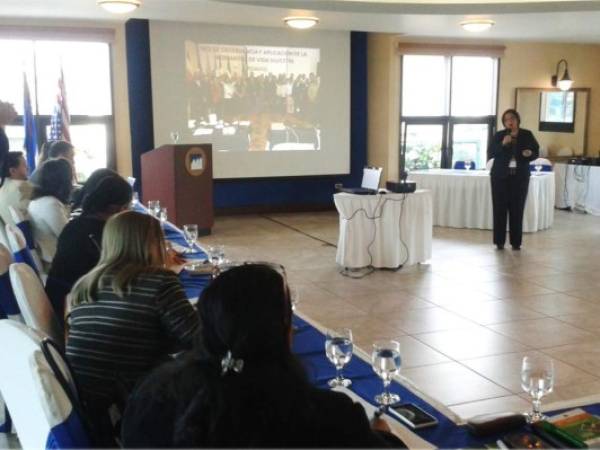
[
  {"x": 60, "y": 121},
  {"x": 30, "y": 143}
]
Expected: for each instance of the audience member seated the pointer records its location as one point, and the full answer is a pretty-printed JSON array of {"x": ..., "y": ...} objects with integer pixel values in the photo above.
[
  {"x": 241, "y": 386},
  {"x": 78, "y": 250},
  {"x": 54, "y": 150},
  {"x": 78, "y": 195},
  {"x": 128, "y": 315},
  {"x": 48, "y": 210},
  {"x": 15, "y": 191}
]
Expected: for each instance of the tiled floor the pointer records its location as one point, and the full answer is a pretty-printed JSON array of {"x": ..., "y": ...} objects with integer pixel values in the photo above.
[{"x": 466, "y": 318}]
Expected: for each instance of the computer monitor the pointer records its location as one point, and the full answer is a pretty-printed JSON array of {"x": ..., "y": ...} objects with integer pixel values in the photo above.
[{"x": 371, "y": 177}]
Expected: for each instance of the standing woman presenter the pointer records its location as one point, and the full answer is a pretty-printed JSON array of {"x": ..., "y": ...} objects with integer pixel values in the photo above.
[{"x": 512, "y": 149}]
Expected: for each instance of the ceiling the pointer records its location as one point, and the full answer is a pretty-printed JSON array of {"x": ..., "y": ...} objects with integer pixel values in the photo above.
[{"x": 543, "y": 20}]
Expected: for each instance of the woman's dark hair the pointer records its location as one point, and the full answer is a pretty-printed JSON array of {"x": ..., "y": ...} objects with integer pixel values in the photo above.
[
  {"x": 108, "y": 194},
  {"x": 11, "y": 161},
  {"x": 59, "y": 148},
  {"x": 514, "y": 113},
  {"x": 56, "y": 176},
  {"x": 245, "y": 312},
  {"x": 89, "y": 185},
  {"x": 248, "y": 312}
]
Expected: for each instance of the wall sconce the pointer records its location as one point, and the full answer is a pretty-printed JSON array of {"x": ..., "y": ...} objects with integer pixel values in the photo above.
[{"x": 565, "y": 82}]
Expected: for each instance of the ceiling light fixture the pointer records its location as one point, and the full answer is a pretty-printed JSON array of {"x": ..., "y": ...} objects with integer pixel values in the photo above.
[
  {"x": 301, "y": 23},
  {"x": 565, "y": 82},
  {"x": 119, "y": 6},
  {"x": 477, "y": 25}
]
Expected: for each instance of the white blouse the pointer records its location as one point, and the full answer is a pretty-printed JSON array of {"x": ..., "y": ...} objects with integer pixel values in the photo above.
[
  {"x": 15, "y": 193},
  {"x": 48, "y": 218}
]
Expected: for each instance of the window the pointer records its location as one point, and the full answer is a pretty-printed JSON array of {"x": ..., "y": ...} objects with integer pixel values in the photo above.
[
  {"x": 557, "y": 111},
  {"x": 86, "y": 69},
  {"x": 448, "y": 110}
]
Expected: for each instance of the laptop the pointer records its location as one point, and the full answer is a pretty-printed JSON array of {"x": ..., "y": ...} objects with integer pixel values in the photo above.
[{"x": 370, "y": 182}]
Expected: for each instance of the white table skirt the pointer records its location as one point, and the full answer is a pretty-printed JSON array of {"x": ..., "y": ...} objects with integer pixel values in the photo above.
[
  {"x": 384, "y": 230},
  {"x": 578, "y": 187},
  {"x": 463, "y": 199}
]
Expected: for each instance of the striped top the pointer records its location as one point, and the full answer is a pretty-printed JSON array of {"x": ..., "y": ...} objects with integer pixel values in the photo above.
[{"x": 113, "y": 341}]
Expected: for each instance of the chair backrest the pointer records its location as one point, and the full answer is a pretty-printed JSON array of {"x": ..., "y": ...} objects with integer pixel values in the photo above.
[
  {"x": 19, "y": 249},
  {"x": 8, "y": 303},
  {"x": 24, "y": 225},
  {"x": 41, "y": 408},
  {"x": 33, "y": 302},
  {"x": 489, "y": 164},
  {"x": 545, "y": 163},
  {"x": 3, "y": 237},
  {"x": 460, "y": 165}
]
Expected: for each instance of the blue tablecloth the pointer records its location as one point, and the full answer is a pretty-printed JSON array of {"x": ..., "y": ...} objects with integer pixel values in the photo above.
[{"x": 309, "y": 345}]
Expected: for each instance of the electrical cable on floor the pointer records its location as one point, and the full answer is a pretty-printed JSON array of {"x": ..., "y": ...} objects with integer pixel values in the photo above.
[{"x": 297, "y": 230}]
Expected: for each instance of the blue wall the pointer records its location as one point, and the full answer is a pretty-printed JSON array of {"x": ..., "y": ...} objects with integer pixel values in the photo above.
[{"x": 264, "y": 192}]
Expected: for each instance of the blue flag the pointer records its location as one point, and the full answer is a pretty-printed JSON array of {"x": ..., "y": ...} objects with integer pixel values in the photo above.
[{"x": 30, "y": 143}]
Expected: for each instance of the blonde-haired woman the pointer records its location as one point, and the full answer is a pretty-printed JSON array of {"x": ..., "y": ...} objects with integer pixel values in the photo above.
[{"x": 128, "y": 314}]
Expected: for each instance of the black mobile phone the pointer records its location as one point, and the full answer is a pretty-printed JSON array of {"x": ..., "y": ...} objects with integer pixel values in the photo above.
[{"x": 412, "y": 415}]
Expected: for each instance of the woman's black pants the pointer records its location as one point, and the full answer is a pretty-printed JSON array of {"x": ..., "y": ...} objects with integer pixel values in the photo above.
[{"x": 508, "y": 198}]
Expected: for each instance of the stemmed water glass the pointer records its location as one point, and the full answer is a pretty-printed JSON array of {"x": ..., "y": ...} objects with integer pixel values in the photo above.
[
  {"x": 190, "y": 232},
  {"x": 154, "y": 207},
  {"x": 294, "y": 297},
  {"x": 467, "y": 164},
  {"x": 175, "y": 136},
  {"x": 538, "y": 168},
  {"x": 537, "y": 379},
  {"x": 162, "y": 215},
  {"x": 338, "y": 348},
  {"x": 386, "y": 362},
  {"x": 216, "y": 254}
]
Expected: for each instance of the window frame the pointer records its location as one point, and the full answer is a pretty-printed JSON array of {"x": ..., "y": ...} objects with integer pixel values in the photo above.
[
  {"x": 447, "y": 121},
  {"x": 108, "y": 120}
]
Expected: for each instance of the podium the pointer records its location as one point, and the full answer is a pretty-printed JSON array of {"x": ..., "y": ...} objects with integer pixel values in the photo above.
[{"x": 181, "y": 178}]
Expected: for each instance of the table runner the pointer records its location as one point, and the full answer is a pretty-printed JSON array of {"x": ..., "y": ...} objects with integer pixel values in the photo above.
[{"x": 309, "y": 346}]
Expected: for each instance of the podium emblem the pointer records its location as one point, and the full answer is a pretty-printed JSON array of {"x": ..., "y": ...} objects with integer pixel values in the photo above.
[{"x": 195, "y": 161}]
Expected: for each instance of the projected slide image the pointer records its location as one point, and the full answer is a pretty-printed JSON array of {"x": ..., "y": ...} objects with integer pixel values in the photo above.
[{"x": 253, "y": 98}]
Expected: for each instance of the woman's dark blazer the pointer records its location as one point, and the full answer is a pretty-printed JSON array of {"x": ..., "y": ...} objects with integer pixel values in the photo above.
[{"x": 503, "y": 154}]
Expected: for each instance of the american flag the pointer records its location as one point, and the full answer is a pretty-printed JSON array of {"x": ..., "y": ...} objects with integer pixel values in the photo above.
[{"x": 59, "y": 123}]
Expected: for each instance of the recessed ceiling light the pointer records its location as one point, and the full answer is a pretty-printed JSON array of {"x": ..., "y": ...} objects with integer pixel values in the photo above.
[
  {"x": 301, "y": 23},
  {"x": 119, "y": 6},
  {"x": 477, "y": 25}
]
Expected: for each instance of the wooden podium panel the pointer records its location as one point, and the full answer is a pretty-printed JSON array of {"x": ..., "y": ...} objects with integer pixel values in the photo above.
[{"x": 180, "y": 177}]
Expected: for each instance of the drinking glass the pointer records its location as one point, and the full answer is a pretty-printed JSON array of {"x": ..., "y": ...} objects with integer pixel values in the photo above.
[
  {"x": 154, "y": 207},
  {"x": 538, "y": 168},
  {"x": 162, "y": 215},
  {"x": 216, "y": 254},
  {"x": 220, "y": 249},
  {"x": 537, "y": 379},
  {"x": 135, "y": 199},
  {"x": 190, "y": 232},
  {"x": 294, "y": 297},
  {"x": 175, "y": 136},
  {"x": 338, "y": 348},
  {"x": 386, "y": 362},
  {"x": 467, "y": 164}
]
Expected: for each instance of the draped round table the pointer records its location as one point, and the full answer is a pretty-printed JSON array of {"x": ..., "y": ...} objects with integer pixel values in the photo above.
[
  {"x": 463, "y": 199},
  {"x": 578, "y": 187},
  {"x": 384, "y": 230}
]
